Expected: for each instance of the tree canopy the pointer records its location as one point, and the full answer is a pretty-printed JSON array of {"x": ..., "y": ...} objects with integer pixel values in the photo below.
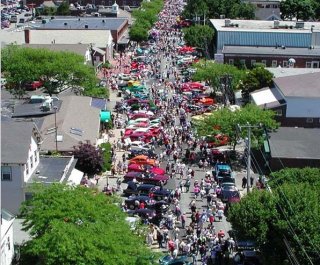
[
  {"x": 291, "y": 211},
  {"x": 213, "y": 9},
  {"x": 90, "y": 158},
  {"x": 145, "y": 17},
  {"x": 225, "y": 121},
  {"x": 298, "y": 9},
  {"x": 198, "y": 36},
  {"x": 55, "y": 69},
  {"x": 76, "y": 225},
  {"x": 211, "y": 72}
]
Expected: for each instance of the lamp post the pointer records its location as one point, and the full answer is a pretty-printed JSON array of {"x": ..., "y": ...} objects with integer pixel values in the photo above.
[{"x": 55, "y": 127}]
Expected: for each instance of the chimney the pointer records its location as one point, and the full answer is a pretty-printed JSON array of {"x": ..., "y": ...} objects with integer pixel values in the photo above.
[{"x": 27, "y": 36}]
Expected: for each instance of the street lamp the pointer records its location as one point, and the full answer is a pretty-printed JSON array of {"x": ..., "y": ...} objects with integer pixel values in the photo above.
[{"x": 55, "y": 126}]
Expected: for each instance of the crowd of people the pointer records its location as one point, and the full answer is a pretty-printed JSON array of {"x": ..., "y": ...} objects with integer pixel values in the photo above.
[{"x": 180, "y": 153}]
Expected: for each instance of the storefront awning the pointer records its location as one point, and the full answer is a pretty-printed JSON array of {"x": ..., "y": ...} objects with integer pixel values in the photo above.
[{"x": 105, "y": 116}]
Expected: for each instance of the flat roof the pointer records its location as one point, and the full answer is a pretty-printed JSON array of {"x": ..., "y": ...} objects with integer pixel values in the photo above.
[
  {"x": 75, "y": 48},
  {"x": 267, "y": 97},
  {"x": 270, "y": 50},
  {"x": 281, "y": 72},
  {"x": 34, "y": 110},
  {"x": 305, "y": 85},
  {"x": 291, "y": 142},
  {"x": 80, "y": 23},
  {"x": 52, "y": 169},
  {"x": 263, "y": 26}
]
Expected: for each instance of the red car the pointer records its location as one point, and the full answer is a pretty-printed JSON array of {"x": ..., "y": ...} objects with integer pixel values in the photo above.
[
  {"x": 141, "y": 136},
  {"x": 34, "y": 85},
  {"x": 193, "y": 85},
  {"x": 145, "y": 168},
  {"x": 135, "y": 116}
]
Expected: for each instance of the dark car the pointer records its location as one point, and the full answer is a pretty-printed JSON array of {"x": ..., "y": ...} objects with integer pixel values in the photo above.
[
  {"x": 147, "y": 214},
  {"x": 146, "y": 178},
  {"x": 251, "y": 257},
  {"x": 180, "y": 260},
  {"x": 230, "y": 194},
  {"x": 161, "y": 193},
  {"x": 135, "y": 189},
  {"x": 149, "y": 153},
  {"x": 158, "y": 206}
]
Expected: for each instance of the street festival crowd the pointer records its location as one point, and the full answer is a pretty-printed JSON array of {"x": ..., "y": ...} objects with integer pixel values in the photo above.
[{"x": 181, "y": 152}]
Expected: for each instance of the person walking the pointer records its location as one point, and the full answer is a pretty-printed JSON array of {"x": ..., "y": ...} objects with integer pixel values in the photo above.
[{"x": 244, "y": 182}]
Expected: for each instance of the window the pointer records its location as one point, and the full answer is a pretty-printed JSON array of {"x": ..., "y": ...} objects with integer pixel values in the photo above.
[
  {"x": 231, "y": 61},
  {"x": 31, "y": 161},
  {"x": 35, "y": 156},
  {"x": 264, "y": 62},
  {"x": 309, "y": 120},
  {"x": 253, "y": 62},
  {"x": 27, "y": 169},
  {"x": 308, "y": 64},
  {"x": 274, "y": 63},
  {"x": 243, "y": 62},
  {"x": 6, "y": 173},
  {"x": 285, "y": 63}
]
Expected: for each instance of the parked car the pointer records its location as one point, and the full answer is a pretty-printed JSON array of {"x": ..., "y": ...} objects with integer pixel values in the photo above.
[
  {"x": 34, "y": 85},
  {"x": 142, "y": 160},
  {"x": 180, "y": 260},
  {"x": 139, "y": 145},
  {"x": 158, "y": 206},
  {"x": 230, "y": 194},
  {"x": 221, "y": 170},
  {"x": 146, "y": 178},
  {"x": 136, "y": 189},
  {"x": 146, "y": 168},
  {"x": 148, "y": 153}
]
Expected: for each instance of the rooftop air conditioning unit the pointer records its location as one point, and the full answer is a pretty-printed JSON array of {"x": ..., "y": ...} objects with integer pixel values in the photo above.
[
  {"x": 227, "y": 22},
  {"x": 222, "y": 16},
  {"x": 276, "y": 24}
]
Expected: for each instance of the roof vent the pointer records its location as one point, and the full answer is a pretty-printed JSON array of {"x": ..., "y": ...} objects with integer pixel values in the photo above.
[
  {"x": 227, "y": 22},
  {"x": 276, "y": 24},
  {"x": 65, "y": 23},
  {"x": 86, "y": 26}
]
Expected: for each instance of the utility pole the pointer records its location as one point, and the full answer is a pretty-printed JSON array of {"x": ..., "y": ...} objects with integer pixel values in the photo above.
[{"x": 249, "y": 127}]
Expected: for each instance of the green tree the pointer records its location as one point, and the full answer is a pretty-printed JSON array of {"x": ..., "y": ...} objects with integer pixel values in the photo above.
[
  {"x": 198, "y": 36},
  {"x": 225, "y": 121},
  {"x": 243, "y": 11},
  {"x": 195, "y": 8},
  {"x": 254, "y": 216},
  {"x": 77, "y": 225},
  {"x": 211, "y": 72},
  {"x": 298, "y": 9},
  {"x": 295, "y": 176},
  {"x": 55, "y": 69},
  {"x": 257, "y": 78},
  {"x": 63, "y": 9}
]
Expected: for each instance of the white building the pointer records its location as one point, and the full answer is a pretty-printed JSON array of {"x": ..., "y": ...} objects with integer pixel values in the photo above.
[
  {"x": 21, "y": 164},
  {"x": 7, "y": 249}
]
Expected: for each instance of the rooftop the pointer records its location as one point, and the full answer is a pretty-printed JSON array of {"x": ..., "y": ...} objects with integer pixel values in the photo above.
[
  {"x": 96, "y": 23},
  {"x": 100, "y": 37},
  {"x": 76, "y": 48},
  {"x": 267, "y": 97},
  {"x": 282, "y": 72},
  {"x": 34, "y": 110},
  {"x": 271, "y": 50},
  {"x": 290, "y": 142},
  {"x": 15, "y": 141},
  {"x": 305, "y": 85},
  {"x": 53, "y": 169},
  {"x": 263, "y": 26},
  {"x": 77, "y": 121}
]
